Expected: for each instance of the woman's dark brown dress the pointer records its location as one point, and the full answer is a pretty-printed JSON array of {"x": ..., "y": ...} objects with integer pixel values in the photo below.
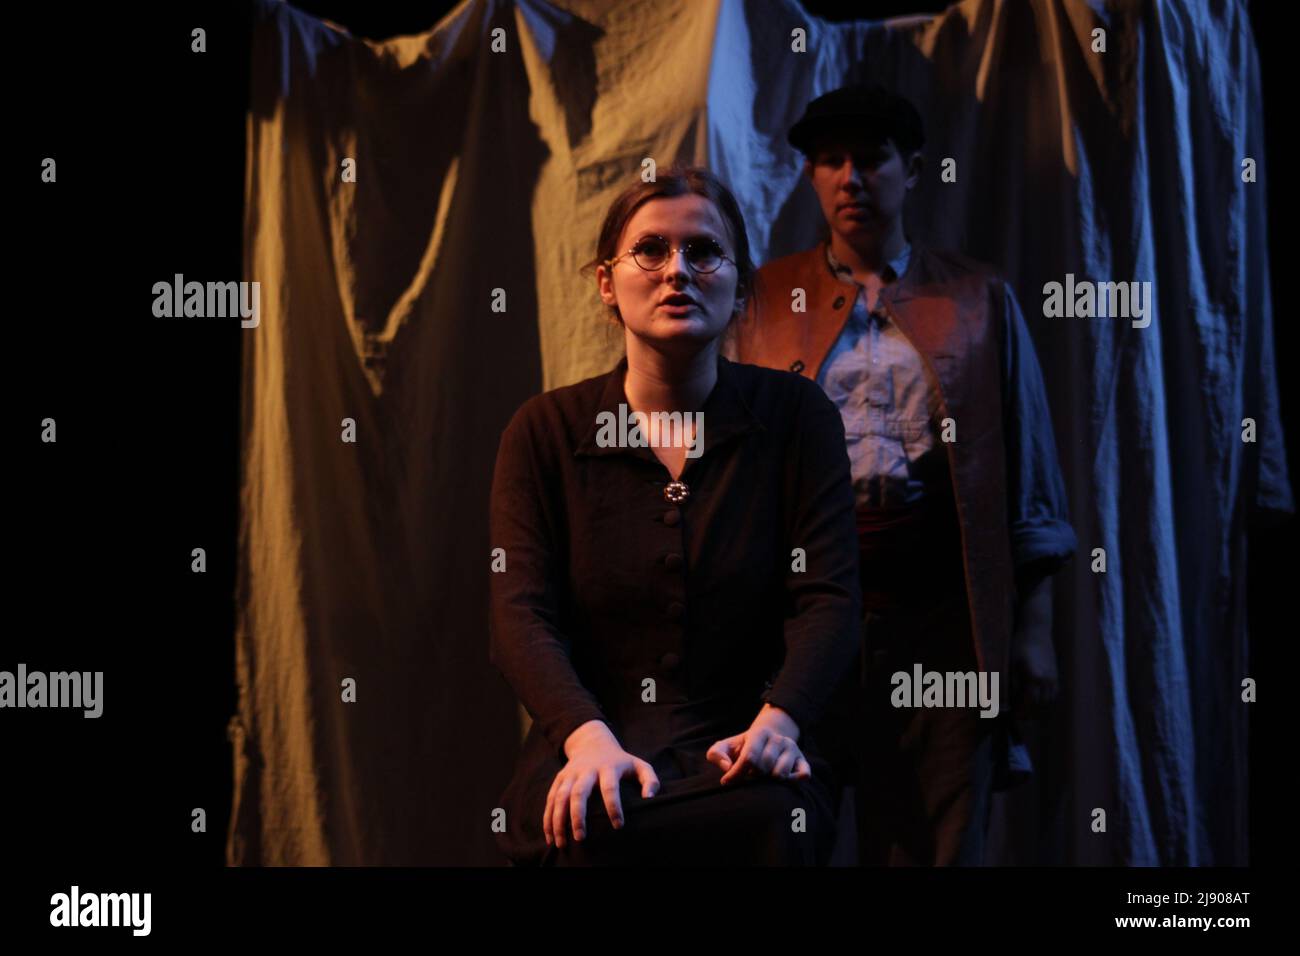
[{"x": 673, "y": 623}]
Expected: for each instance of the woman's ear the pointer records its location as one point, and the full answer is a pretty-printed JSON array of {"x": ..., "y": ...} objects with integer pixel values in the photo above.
[{"x": 605, "y": 283}]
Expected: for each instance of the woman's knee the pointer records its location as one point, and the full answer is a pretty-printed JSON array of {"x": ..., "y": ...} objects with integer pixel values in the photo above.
[{"x": 760, "y": 822}]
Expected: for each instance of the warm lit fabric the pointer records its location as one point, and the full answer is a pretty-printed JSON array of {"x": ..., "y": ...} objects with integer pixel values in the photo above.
[{"x": 480, "y": 171}]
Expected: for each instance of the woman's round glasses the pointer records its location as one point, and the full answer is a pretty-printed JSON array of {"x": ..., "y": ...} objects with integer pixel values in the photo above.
[{"x": 703, "y": 254}]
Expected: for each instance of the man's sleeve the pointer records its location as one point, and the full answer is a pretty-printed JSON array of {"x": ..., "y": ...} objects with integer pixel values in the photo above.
[
  {"x": 823, "y": 626},
  {"x": 526, "y": 643},
  {"x": 1041, "y": 534}
]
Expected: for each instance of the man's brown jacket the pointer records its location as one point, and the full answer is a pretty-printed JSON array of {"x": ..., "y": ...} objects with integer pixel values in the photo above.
[{"x": 952, "y": 311}]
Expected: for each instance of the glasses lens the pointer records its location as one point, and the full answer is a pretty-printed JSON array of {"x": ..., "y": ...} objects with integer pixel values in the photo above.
[
  {"x": 704, "y": 255},
  {"x": 650, "y": 253}
]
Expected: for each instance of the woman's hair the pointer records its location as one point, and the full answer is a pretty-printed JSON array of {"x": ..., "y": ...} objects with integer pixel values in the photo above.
[{"x": 678, "y": 180}]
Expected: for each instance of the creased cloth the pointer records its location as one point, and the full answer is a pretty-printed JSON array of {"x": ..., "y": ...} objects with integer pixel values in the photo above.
[{"x": 424, "y": 302}]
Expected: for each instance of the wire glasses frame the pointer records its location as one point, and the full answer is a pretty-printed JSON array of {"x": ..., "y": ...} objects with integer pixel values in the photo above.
[{"x": 699, "y": 252}]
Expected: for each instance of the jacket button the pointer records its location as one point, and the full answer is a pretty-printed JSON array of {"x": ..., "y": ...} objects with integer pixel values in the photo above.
[
  {"x": 676, "y": 610},
  {"x": 672, "y": 516},
  {"x": 797, "y": 365},
  {"x": 672, "y": 561},
  {"x": 670, "y": 660},
  {"x": 839, "y": 301}
]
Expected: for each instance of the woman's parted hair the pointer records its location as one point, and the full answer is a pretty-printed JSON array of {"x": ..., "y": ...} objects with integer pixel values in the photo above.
[{"x": 678, "y": 180}]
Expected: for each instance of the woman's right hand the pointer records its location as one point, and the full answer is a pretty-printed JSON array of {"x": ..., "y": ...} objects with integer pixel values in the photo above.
[{"x": 595, "y": 756}]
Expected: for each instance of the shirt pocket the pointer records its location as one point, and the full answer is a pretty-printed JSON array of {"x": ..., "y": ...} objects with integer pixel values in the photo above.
[
  {"x": 906, "y": 430},
  {"x": 914, "y": 436}
]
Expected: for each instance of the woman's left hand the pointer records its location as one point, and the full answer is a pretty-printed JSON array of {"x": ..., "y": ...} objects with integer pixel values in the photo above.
[{"x": 768, "y": 747}]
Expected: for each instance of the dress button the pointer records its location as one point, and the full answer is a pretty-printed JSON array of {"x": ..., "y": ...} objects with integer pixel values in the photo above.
[
  {"x": 839, "y": 301},
  {"x": 670, "y": 660},
  {"x": 672, "y": 561},
  {"x": 672, "y": 516},
  {"x": 676, "y": 610},
  {"x": 797, "y": 365},
  {"x": 676, "y": 491}
]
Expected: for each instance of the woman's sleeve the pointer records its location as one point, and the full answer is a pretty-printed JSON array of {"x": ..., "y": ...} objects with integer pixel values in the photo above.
[
  {"x": 526, "y": 643},
  {"x": 823, "y": 623}
]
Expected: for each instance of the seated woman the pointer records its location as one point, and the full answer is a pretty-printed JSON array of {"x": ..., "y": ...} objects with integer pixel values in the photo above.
[{"x": 674, "y": 616}]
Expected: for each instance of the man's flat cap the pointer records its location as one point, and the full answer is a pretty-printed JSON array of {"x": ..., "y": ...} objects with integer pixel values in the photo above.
[{"x": 859, "y": 110}]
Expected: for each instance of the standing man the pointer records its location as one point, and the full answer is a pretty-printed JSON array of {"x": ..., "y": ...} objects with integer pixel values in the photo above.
[{"x": 960, "y": 500}]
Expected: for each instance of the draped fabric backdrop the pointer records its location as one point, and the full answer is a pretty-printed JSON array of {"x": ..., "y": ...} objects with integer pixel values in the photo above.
[{"x": 426, "y": 300}]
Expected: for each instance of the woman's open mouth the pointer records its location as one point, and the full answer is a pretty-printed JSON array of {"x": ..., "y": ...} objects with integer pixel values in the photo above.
[{"x": 678, "y": 305}]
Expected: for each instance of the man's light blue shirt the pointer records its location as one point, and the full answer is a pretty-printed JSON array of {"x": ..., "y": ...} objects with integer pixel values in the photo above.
[
  {"x": 890, "y": 405},
  {"x": 886, "y": 398}
]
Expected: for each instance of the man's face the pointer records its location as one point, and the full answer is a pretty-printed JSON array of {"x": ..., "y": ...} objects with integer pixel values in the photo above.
[
  {"x": 861, "y": 183},
  {"x": 673, "y": 304}
]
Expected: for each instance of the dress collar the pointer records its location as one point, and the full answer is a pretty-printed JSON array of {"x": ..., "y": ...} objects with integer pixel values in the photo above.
[{"x": 726, "y": 413}]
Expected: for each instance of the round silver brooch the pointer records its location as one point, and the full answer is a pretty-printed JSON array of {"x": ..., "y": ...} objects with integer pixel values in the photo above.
[{"x": 676, "y": 491}]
